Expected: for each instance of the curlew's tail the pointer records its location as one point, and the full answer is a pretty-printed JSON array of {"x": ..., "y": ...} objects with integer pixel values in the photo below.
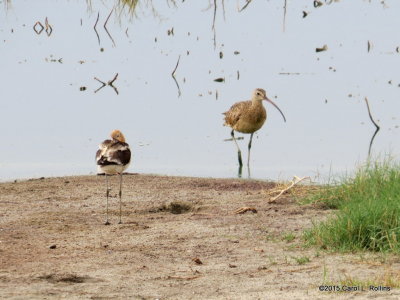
[{"x": 225, "y": 120}]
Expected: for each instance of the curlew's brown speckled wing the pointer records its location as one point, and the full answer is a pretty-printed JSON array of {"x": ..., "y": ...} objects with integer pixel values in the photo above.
[{"x": 232, "y": 116}]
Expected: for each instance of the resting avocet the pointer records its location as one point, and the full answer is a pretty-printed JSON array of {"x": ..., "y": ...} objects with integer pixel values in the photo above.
[{"x": 113, "y": 157}]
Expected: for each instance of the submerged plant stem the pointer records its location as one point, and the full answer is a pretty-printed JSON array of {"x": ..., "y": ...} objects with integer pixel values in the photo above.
[
  {"x": 105, "y": 27},
  {"x": 376, "y": 126},
  {"x": 173, "y": 76},
  {"x": 94, "y": 27}
]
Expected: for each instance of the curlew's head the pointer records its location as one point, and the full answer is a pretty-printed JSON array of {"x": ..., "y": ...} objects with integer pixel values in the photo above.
[
  {"x": 260, "y": 94},
  {"x": 118, "y": 136}
]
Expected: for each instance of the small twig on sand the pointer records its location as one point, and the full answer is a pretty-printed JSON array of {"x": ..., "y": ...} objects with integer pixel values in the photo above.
[
  {"x": 302, "y": 269},
  {"x": 183, "y": 278},
  {"x": 245, "y": 209},
  {"x": 295, "y": 181}
]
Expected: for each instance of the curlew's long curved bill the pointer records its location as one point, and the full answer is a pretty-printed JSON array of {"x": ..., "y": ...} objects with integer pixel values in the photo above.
[{"x": 270, "y": 101}]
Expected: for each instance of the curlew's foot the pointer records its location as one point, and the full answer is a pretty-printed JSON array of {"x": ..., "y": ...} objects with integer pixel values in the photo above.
[{"x": 107, "y": 223}]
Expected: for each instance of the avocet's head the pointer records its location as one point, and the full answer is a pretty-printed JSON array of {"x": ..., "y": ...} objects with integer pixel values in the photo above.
[
  {"x": 118, "y": 136},
  {"x": 260, "y": 94}
]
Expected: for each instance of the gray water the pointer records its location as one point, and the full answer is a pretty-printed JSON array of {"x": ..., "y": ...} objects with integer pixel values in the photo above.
[{"x": 50, "y": 127}]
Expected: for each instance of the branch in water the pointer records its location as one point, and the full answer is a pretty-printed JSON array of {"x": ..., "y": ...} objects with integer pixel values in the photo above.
[
  {"x": 284, "y": 15},
  {"x": 105, "y": 27},
  {"x": 110, "y": 83},
  {"x": 176, "y": 67},
  {"x": 94, "y": 27},
  {"x": 213, "y": 25},
  {"x": 245, "y": 6},
  {"x": 173, "y": 76},
  {"x": 376, "y": 126},
  {"x": 370, "y": 116}
]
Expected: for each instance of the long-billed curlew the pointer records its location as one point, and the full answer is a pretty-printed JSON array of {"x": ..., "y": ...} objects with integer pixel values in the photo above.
[
  {"x": 113, "y": 157},
  {"x": 248, "y": 117}
]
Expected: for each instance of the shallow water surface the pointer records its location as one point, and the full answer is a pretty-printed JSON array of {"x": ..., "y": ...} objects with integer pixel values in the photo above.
[{"x": 54, "y": 115}]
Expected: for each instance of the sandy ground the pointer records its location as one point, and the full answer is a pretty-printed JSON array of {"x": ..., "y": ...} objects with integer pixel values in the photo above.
[{"x": 54, "y": 244}]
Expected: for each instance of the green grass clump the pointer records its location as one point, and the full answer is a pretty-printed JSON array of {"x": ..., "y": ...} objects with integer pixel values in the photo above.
[
  {"x": 302, "y": 260},
  {"x": 369, "y": 211},
  {"x": 288, "y": 237}
]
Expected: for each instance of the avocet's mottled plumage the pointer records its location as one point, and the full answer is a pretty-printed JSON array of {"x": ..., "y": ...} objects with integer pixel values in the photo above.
[{"x": 113, "y": 156}]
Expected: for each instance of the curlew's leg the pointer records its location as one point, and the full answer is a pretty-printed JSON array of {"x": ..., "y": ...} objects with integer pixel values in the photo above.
[
  {"x": 248, "y": 156},
  {"x": 107, "y": 194},
  {"x": 240, "y": 171},
  {"x": 239, "y": 152},
  {"x": 120, "y": 197}
]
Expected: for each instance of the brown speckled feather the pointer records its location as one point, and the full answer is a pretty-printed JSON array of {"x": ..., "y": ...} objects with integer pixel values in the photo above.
[{"x": 246, "y": 116}]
